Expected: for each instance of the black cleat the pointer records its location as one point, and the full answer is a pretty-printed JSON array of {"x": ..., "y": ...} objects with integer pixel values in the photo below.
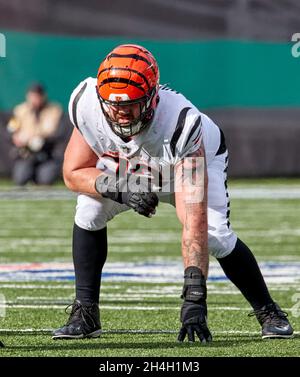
[
  {"x": 84, "y": 322},
  {"x": 273, "y": 321}
]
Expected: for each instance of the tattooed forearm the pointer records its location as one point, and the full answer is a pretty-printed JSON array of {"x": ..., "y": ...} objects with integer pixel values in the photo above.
[
  {"x": 193, "y": 215},
  {"x": 194, "y": 237}
]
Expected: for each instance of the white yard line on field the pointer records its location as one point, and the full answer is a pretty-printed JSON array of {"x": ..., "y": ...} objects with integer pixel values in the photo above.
[
  {"x": 11, "y": 193},
  {"x": 258, "y": 192},
  {"x": 266, "y": 192},
  {"x": 132, "y": 331},
  {"x": 35, "y": 286},
  {"x": 273, "y": 233},
  {"x": 13, "y": 305},
  {"x": 234, "y": 291}
]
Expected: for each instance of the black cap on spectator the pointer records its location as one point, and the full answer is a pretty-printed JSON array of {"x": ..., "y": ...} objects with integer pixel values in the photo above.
[{"x": 37, "y": 88}]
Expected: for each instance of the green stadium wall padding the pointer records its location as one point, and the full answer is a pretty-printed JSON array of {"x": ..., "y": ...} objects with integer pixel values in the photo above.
[{"x": 211, "y": 73}]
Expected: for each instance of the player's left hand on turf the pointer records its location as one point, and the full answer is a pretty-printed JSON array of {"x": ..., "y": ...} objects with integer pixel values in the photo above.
[{"x": 193, "y": 318}]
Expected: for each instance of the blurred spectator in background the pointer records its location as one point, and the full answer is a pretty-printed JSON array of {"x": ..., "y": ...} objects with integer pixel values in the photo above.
[{"x": 34, "y": 129}]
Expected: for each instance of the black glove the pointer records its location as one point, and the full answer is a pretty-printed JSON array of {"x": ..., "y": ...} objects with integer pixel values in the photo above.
[
  {"x": 194, "y": 310},
  {"x": 143, "y": 202}
]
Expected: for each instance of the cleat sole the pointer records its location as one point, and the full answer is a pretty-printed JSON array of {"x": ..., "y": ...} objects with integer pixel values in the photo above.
[
  {"x": 277, "y": 336},
  {"x": 94, "y": 334}
]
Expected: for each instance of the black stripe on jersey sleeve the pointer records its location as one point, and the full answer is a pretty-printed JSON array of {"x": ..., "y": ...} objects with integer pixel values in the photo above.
[
  {"x": 75, "y": 103},
  {"x": 178, "y": 129},
  {"x": 195, "y": 126},
  {"x": 222, "y": 148}
]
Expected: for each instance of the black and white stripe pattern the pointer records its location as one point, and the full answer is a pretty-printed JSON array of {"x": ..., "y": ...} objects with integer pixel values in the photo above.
[
  {"x": 222, "y": 148},
  {"x": 226, "y": 190},
  {"x": 75, "y": 103},
  {"x": 179, "y": 128},
  {"x": 183, "y": 140},
  {"x": 194, "y": 134}
]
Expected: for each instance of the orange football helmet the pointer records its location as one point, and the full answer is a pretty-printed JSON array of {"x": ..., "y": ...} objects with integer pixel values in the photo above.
[{"x": 128, "y": 75}]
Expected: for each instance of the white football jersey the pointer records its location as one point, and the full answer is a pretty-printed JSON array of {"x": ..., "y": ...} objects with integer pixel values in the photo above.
[{"x": 177, "y": 130}]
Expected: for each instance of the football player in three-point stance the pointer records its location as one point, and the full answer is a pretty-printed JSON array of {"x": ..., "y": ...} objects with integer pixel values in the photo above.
[{"x": 125, "y": 115}]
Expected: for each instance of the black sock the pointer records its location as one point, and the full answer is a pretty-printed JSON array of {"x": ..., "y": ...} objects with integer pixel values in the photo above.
[
  {"x": 89, "y": 255},
  {"x": 241, "y": 268}
]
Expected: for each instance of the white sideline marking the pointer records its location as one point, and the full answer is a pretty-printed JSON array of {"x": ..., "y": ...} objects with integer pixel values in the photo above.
[
  {"x": 258, "y": 192},
  {"x": 211, "y": 290},
  {"x": 266, "y": 192},
  {"x": 273, "y": 233},
  {"x": 138, "y": 331},
  {"x": 36, "y": 286},
  {"x": 112, "y": 297},
  {"x": 13, "y": 305},
  {"x": 13, "y": 193}
]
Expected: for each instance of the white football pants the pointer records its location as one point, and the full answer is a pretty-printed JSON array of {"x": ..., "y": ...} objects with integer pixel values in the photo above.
[{"x": 93, "y": 214}]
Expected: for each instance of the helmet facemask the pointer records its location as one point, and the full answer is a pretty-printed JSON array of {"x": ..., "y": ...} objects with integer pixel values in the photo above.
[{"x": 136, "y": 125}]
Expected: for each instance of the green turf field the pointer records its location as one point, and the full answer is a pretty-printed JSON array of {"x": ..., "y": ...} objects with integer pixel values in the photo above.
[{"x": 140, "y": 317}]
